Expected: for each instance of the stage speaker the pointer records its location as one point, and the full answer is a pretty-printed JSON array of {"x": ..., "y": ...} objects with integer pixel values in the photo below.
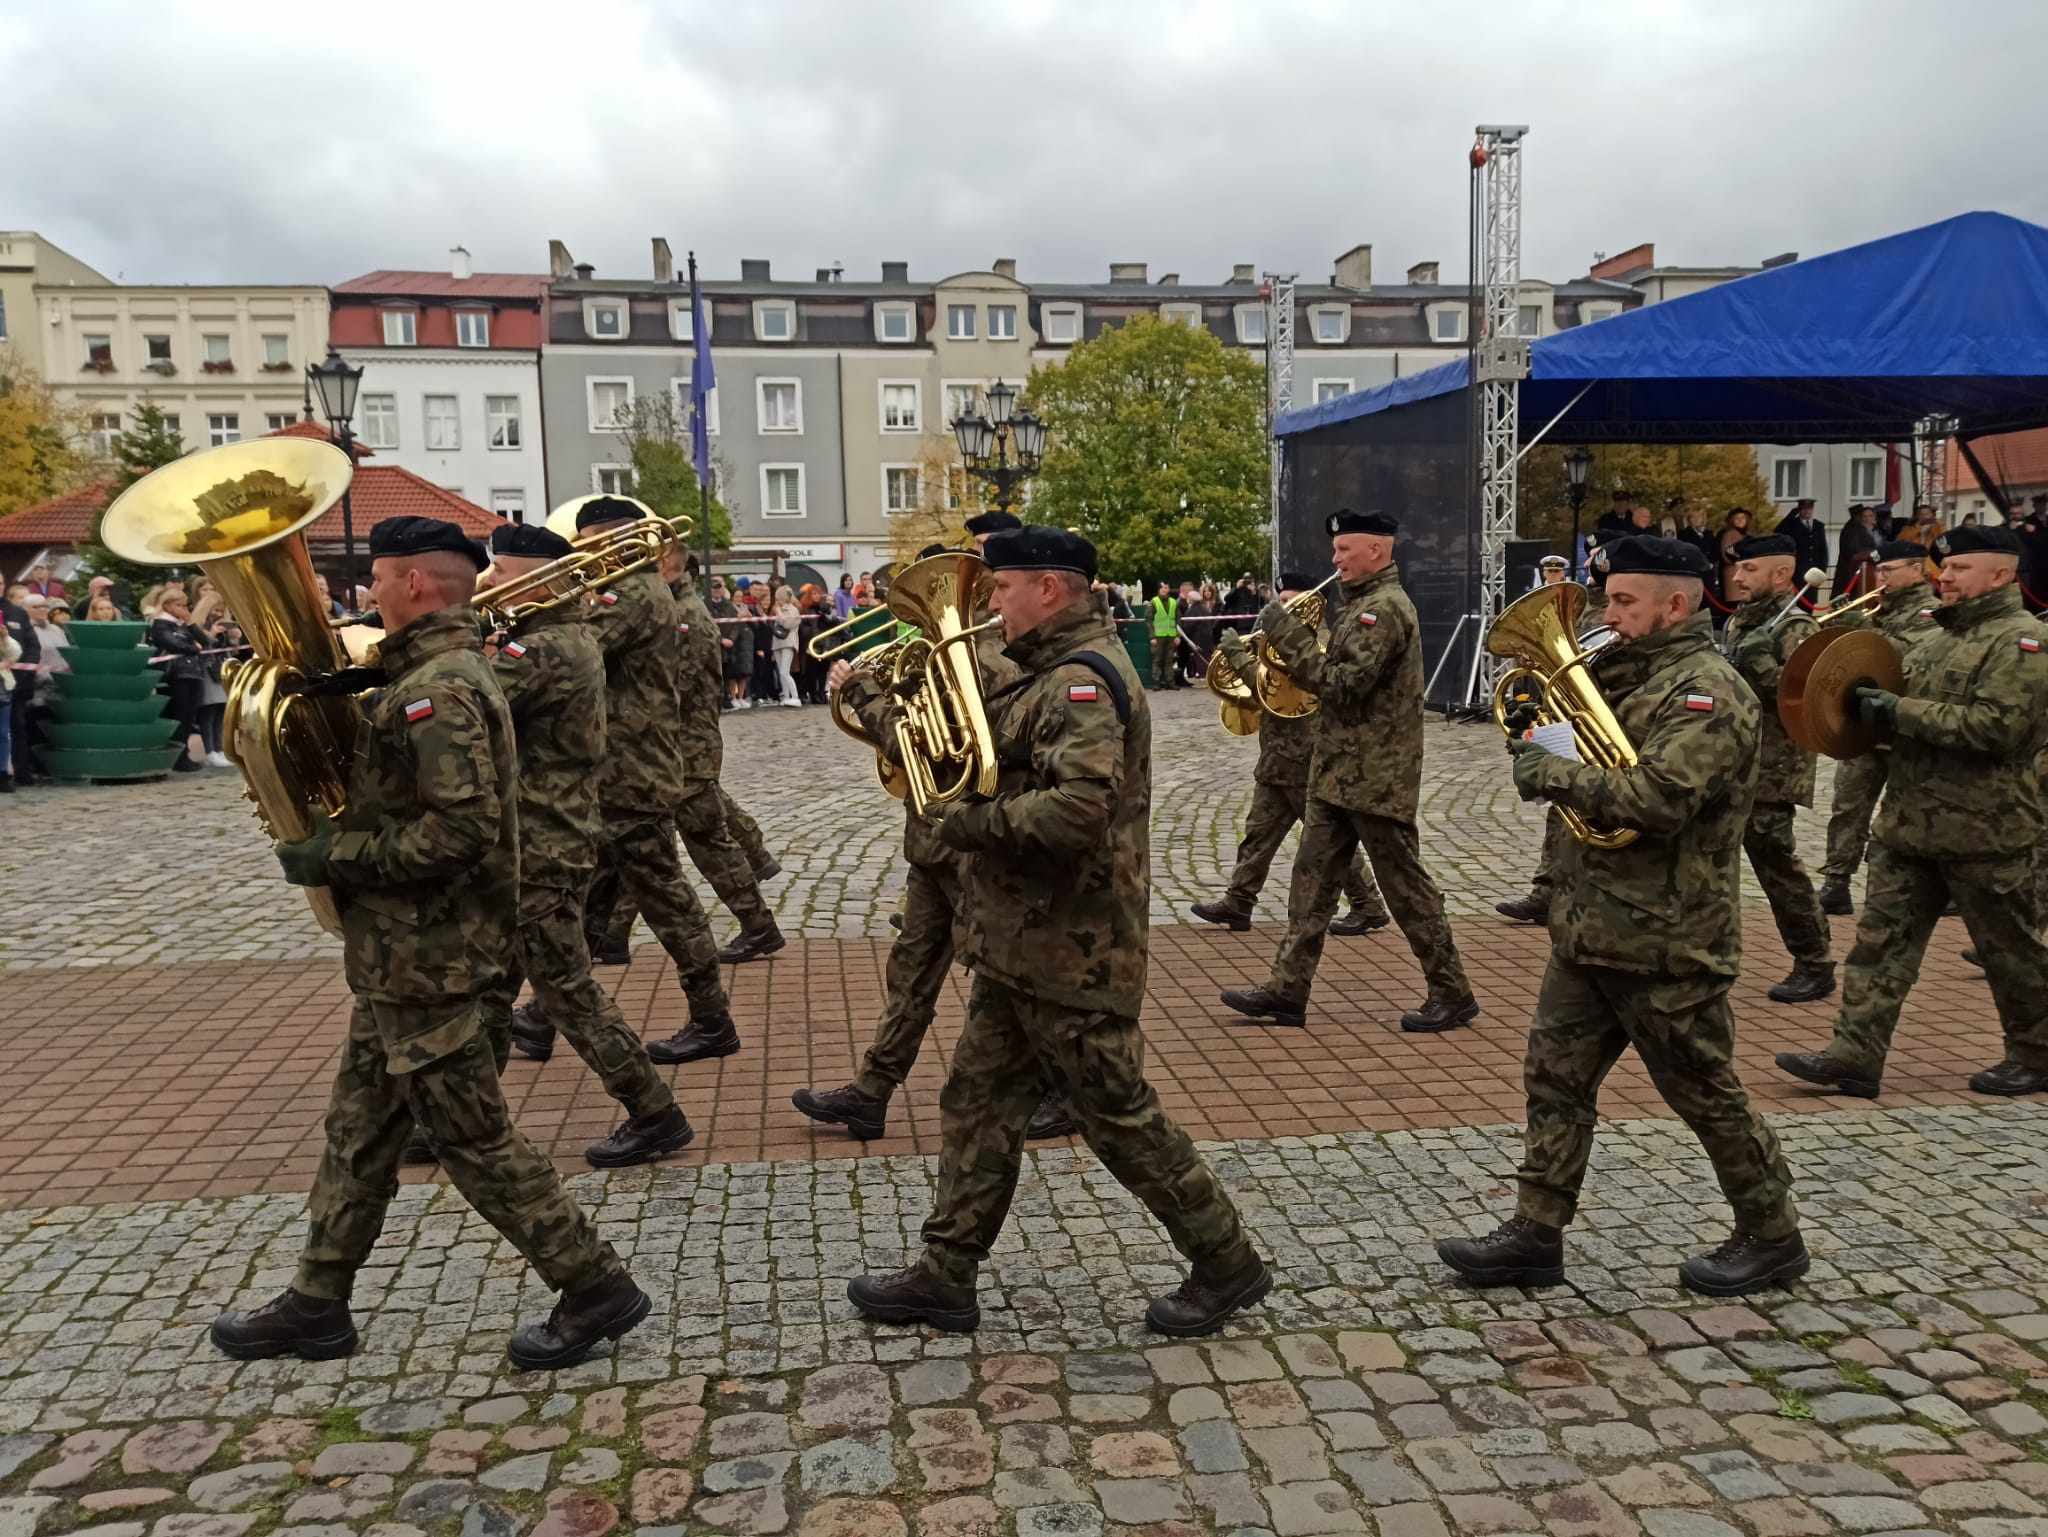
[{"x": 1523, "y": 556}]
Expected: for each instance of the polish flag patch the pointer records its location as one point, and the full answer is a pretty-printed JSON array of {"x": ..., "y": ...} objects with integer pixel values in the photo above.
[
  {"x": 1702, "y": 703},
  {"x": 513, "y": 649},
  {"x": 2029, "y": 645},
  {"x": 607, "y": 598},
  {"x": 1368, "y": 620},
  {"x": 419, "y": 710},
  {"x": 1081, "y": 693},
  {"x": 682, "y": 629}
]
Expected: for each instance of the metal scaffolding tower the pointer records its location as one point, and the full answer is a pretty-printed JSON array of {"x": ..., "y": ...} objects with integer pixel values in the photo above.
[
  {"x": 1931, "y": 450},
  {"x": 1501, "y": 362},
  {"x": 1279, "y": 296}
]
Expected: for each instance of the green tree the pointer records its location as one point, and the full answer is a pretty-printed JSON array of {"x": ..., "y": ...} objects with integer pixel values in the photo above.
[
  {"x": 657, "y": 439},
  {"x": 148, "y": 443},
  {"x": 1156, "y": 450},
  {"x": 1709, "y": 477},
  {"x": 41, "y": 451}
]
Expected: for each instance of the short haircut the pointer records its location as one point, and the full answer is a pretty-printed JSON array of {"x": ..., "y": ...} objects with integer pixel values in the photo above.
[
  {"x": 1073, "y": 583},
  {"x": 453, "y": 575},
  {"x": 1691, "y": 586}
]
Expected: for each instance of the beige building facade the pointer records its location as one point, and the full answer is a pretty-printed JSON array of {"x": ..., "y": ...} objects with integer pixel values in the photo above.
[{"x": 28, "y": 261}]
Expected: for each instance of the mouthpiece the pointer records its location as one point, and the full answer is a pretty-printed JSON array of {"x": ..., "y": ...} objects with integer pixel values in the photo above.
[{"x": 1815, "y": 576}]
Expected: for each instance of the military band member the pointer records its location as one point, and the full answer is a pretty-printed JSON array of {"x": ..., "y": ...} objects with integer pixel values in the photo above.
[
  {"x": 426, "y": 863},
  {"x": 1057, "y": 888},
  {"x": 1365, "y": 780},
  {"x": 1646, "y": 940},
  {"x": 1961, "y": 817},
  {"x": 1279, "y": 799},
  {"x": 1905, "y": 618},
  {"x": 1760, "y": 637}
]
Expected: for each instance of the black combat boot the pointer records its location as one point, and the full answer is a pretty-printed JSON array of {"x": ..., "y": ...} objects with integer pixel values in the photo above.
[
  {"x": 1744, "y": 1264},
  {"x": 1053, "y": 1118},
  {"x": 1534, "y": 908},
  {"x": 1520, "y": 1252},
  {"x": 1201, "y": 1303},
  {"x": 1439, "y": 1015},
  {"x": 704, "y": 1038},
  {"x": 1808, "y": 982},
  {"x": 1818, "y": 1067},
  {"x": 532, "y": 1036},
  {"x": 915, "y": 1296},
  {"x": 1834, "y": 897},
  {"x": 753, "y": 945},
  {"x": 1358, "y": 921},
  {"x": 642, "y": 1139},
  {"x": 2010, "y": 1078},
  {"x": 861, "y": 1114},
  {"x": 1262, "y": 1003},
  {"x": 581, "y": 1321},
  {"x": 289, "y": 1324},
  {"x": 1236, "y": 919},
  {"x": 603, "y": 952}
]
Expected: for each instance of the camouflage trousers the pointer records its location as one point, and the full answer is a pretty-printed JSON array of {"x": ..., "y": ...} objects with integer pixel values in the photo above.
[
  {"x": 431, "y": 1064},
  {"x": 1011, "y": 1042},
  {"x": 550, "y": 951},
  {"x": 1274, "y": 810},
  {"x": 725, "y": 845},
  {"x": 640, "y": 850},
  {"x": 918, "y": 962},
  {"x": 1329, "y": 835},
  {"x": 1586, "y": 1017},
  {"x": 1767, "y": 840},
  {"x": 1858, "y": 784},
  {"x": 1544, "y": 882},
  {"x": 1903, "y": 895}
]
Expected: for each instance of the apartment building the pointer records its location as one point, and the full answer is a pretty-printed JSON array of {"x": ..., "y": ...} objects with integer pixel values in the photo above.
[{"x": 27, "y": 260}]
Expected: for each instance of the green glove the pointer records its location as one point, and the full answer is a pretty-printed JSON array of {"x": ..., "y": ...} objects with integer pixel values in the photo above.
[
  {"x": 305, "y": 862},
  {"x": 1274, "y": 617},
  {"x": 1235, "y": 651},
  {"x": 1878, "y": 706},
  {"x": 1529, "y": 760}
]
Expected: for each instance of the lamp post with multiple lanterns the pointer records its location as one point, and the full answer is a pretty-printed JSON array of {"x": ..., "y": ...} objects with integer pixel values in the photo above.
[
  {"x": 336, "y": 382},
  {"x": 988, "y": 437}
]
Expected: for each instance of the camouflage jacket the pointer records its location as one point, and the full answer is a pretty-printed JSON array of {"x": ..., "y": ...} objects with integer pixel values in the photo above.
[
  {"x": 1785, "y": 771},
  {"x": 1285, "y": 748},
  {"x": 428, "y": 849},
  {"x": 640, "y": 629},
  {"x": 1669, "y": 903},
  {"x": 702, "y": 687},
  {"x": 1962, "y": 778},
  {"x": 1368, "y": 731},
  {"x": 552, "y": 672}
]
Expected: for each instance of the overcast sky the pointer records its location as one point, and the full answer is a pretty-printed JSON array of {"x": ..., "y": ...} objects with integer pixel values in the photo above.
[{"x": 235, "y": 142}]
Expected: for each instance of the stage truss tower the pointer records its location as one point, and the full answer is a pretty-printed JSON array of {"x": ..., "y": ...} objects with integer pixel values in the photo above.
[
  {"x": 1279, "y": 295},
  {"x": 1932, "y": 452},
  {"x": 1501, "y": 357}
]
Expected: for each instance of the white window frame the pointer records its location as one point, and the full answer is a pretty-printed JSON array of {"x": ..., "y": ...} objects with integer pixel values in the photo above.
[
  {"x": 227, "y": 347},
  {"x": 1344, "y": 387},
  {"x": 593, "y": 307},
  {"x": 1050, "y": 314},
  {"x": 1456, "y": 311},
  {"x": 893, "y": 309},
  {"x": 995, "y": 335},
  {"x": 106, "y": 426},
  {"x": 392, "y": 419},
  {"x": 681, "y": 387},
  {"x": 149, "y": 342},
  {"x": 405, "y": 323},
  {"x": 513, "y": 494},
  {"x": 284, "y": 351},
  {"x": 1340, "y": 312},
  {"x": 1542, "y": 310},
  {"x": 469, "y": 319},
  {"x": 453, "y": 420},
  {"x": 802, "y": 510},
  {"x": 953, "y": 314},
  {"x": 277, "y": 421},
  {"x": 97, "y": 341},
  {"x": 590, "y": 385},
  {"x": 1876, "y": 491},
  {"x": 494, "y": 418},
  {"x": 761, "y": 407},
  {"x": 1798, "y": 491},
  {"x": 682, "y": 322},
  {"x": 1182, "y": 313},
  {"x": 783, "y": 307},
  {"x": 1244, "y": 312},
  {"x": 916, "y": 475},
  {"x": 1598, "y": 309},
  {"x": 978, "y": 388},
  {"x": 217, "y": 433},
  {"x": 916, "y": 388},
  {"x": 625, "y": 484}
]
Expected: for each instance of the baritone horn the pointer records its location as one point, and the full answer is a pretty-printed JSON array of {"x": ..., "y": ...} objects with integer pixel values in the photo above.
[
  {"x": 1539, "y": 634},
  {"x": 878, "y": 662},
  {"x": 943, "y": 740}
]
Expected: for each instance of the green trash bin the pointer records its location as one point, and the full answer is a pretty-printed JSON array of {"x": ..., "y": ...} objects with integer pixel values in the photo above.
[
  {"x": 1138, "y": 645},
  {"x": 109, "y": 717}
]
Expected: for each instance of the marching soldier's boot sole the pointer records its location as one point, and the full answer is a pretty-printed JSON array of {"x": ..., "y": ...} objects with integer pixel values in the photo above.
[
  {"x": 1260, "y": 1006},
  {"x": 531, "y": 1359},
  {"x": 318, "y": 1347},
  {"x": 865, "y": 1128},
  {"x": 956, "y": 1320},
  {"x": 1226, "y": 917},
  {"x": 1250, "y": 1294}
]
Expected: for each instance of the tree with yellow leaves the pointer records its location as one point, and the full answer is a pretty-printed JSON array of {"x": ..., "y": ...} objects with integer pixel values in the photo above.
[{"x": 42, "y": 441}]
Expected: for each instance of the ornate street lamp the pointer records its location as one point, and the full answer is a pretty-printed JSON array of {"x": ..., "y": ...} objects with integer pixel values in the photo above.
[
  {"x": 1578, "y": 465},
  {"x": 337, "y": 382},
  {"x": 988, "y": 436}
]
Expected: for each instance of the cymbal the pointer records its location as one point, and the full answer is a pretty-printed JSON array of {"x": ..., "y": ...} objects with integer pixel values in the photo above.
[{"x": 1816, "y": 699}]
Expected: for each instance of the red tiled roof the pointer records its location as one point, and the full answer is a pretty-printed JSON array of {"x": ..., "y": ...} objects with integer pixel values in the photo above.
[
  {"x": 62, "y": 520},
  {"x": 439, "y": 285},
  {"x": 382, "y": 491},
  {"x": 305, "y": 429},
  {"x": 2018, "y": 459}
]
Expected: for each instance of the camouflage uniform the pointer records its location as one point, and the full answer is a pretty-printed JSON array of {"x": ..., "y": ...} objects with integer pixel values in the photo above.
[
  {"x": 1962, "y": 817},
  {"x": 641, "y": 782},
  {"x": 1544, "y": 883},
  {"x": 1365, "y": 782},
  {"x": 1647, "y": 939},
  {"x": 1784, "y": 779},
  {"x": 1905, "y": 617},
  {"x": 552, "y": 674},
  {"x": 1279, "y": 800},
  {"x": 427, "y": 863},
  {"x": 1057, "y": 888}
]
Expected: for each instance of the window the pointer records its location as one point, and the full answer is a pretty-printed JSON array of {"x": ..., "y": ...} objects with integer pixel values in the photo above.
[
  {"x": 510, "y": 505},
  {"x": 277, "y": 421},
  {"x": 611, "y": 403},
  {"x": 158, "y": 347},
  {"x": 1251, "y": 324},
  {"x": 682, "y": 325},
  {"x": 605, "y": 319},
  {"x": 1447, "y": 322},
  {"x": 774, "y": 320},
  {"x": 901, "y": 406},
  {"x": 612, "y": 479},
  {"x": 1060, "y": 322},
  {"x": 277, "y": 350},
  {"x": 173, "y": 427},
  {"x": 1330, "y": 389},
  {"x": 960, "y": 322},
  {"x": 1588, "y": 313},
  {"x": 1866, "y": 477},
  {"x": 99, "y": 350},
  {"x": 1332, "y": 322},
  {"x": 401, "y": 328},
  {"x": 782, "y": 490},
  {"x": 444, "y": 430},
  {"x": 1189, "y": 315},
  {"x": 781, "y": 405},
  {"x": 380, "y": 420},
  {"x": 105, "y": 425},
  {"x": 217, "y": 350},
  {"x": 958, "y": 493},
  {"x": 1529, "y": 319},
  {"x": 899, "y": 488},
  {"x": 501, "y": 421},
  {"x": 1788, "y": 479},
  {"x": 223, "y": 428},
  {"x": 472, "y": 328},
  {"x": 895, "y": 323},
  {"x": 682, "y": 388},
  {"x": 961, "y": 400},
  {"x": 1002, "y": 322}
]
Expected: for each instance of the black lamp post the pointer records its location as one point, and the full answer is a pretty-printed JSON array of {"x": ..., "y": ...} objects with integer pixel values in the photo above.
[
  {"x": 336, "y": 383},
  {"x": 988, "y": 436},
  {"x": 1578, "y": 465}
]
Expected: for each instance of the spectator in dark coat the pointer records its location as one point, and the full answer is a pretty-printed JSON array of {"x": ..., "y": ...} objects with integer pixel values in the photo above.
[
  {"x": 1859, "y": 546},
  {"x": 2033, "y": 531},
  {"x": 1809, "y": 537},
  {"x": 173, "y": 634}
]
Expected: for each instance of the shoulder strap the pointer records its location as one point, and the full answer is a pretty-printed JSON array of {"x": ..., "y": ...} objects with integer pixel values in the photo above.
[{"x": 1112, "y": 680}]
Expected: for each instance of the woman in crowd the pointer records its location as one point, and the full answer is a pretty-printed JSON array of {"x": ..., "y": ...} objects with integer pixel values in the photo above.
[
  {"x": 101, "y": 608},
  {"x": 787, "y": 620},
  {"x": 10, "y": 654},
  {"x": 174, "y": 636},
  {"x": 820, "y": 615},
  {"x": 739, "y": 639},
  {"x": 842, "y": 596},
  {"x": 209, "y": 615}
]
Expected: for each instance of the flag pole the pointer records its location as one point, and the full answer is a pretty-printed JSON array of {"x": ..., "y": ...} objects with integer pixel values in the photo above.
[{"x": 700, "y": 344}]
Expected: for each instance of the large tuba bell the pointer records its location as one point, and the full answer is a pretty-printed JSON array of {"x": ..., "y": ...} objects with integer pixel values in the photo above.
[
  {"x": 943, "y": 739},
  {"x": 1539, "y": 633},
  {"x": 237, "y": 512}
]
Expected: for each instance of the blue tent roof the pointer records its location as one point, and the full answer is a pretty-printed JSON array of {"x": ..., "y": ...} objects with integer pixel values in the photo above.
[{"x": 1854, "y": 346}]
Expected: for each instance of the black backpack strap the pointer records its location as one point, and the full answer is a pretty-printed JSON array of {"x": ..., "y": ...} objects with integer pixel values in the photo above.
[{"x": 1112, "y": 680}]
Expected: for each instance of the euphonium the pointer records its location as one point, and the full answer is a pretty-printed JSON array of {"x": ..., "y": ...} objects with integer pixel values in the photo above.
[
  {"x": 943, "y": 739},
  {"x": 237, "y": 512},
  {"x": 1538, "y": 632},
  {"x": 878, "y": 662}
]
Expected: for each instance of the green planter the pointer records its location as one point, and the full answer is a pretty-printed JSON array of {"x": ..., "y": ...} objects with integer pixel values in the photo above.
[
  {"x": 103, "y": 661},
  {"x": 131, "y": 736},
  {"x": 121, "y": 712},
  {"x": 110, "y": 719},
  {"x": 109, "y": 763},
  {"x": 85, "y": 685},
  {"x": 103, "y": 635}
]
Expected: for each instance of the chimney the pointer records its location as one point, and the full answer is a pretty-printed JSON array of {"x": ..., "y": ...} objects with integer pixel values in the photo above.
[
  {"x": 1127, "y": 272},
  {"x": 558, "y": 259},
  {"x": 1782, "y": 259},
  {"x": 458, "y": 262},
  {"x": 1168, "y": 279},
  {"x": 1006, "y": 267},
  {"x": 1354, "y": 268},
  {"x": 585, "y": 272},
  {"x": 1242, "y": 273},
  {"x": 664, "y": 263},
  {"x": 1424, "y": 273},
  {"x": 753, "y": 270},
  {"x": 895, "y": 272},
  {"x": 824, "y": 274},
  {"x": 1634, "y": 259}
]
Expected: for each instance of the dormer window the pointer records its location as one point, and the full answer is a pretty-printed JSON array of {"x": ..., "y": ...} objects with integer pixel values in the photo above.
[
  {"x": 895, "y": 323},
  {"x": 682, "y": 324},
  {"x": 1060, "y": 322},
  {"x": 1446, "y": 322},
  {"x": 472, "y": 328},
  {"x": 401, "y": 328},
  {"x": 774, "y": 320},
  {"x": 1189, "y": 315},
  {"x": 1330, "y": 324},
  {"x": 605, "y": 319},
  {"x": 1251, "y": 324}
]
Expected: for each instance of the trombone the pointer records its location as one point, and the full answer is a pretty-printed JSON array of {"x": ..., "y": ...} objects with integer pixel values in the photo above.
[{"x": 595, "y": 561}]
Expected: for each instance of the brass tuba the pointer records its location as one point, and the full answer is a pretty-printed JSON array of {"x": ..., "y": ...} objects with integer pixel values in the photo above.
[
  {"x": 943, "y": 739},
  {"x": 879, "y": 662},
  {"x": 1539, "y": 633},
  {"x": 237, "y": 513}
]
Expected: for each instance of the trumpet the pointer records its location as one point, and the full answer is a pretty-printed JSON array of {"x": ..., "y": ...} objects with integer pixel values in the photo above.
[
  {"x": 1863, "y": 603},
  {"x": 600, "y": 558}
]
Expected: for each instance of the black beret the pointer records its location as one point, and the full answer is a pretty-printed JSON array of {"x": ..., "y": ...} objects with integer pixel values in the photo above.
[
  {"x": 1977, "y": 541},
  {"x": 423, "y": 536},
  {"x": 993, "y": 522},
  {"x": 1034, "y": 547},
  {"x": 1899, "y": 549},
  {"x": 1757, "y": 546},
  {"x": 1653, "y": 555},
  {"x": 930, "y": 550},
  {"x": 607, "y": 509},
  {"x": 528, "y": 539},
  {"x": 1345, "y": 521},
  {"x": 1293, "y": 581}
]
